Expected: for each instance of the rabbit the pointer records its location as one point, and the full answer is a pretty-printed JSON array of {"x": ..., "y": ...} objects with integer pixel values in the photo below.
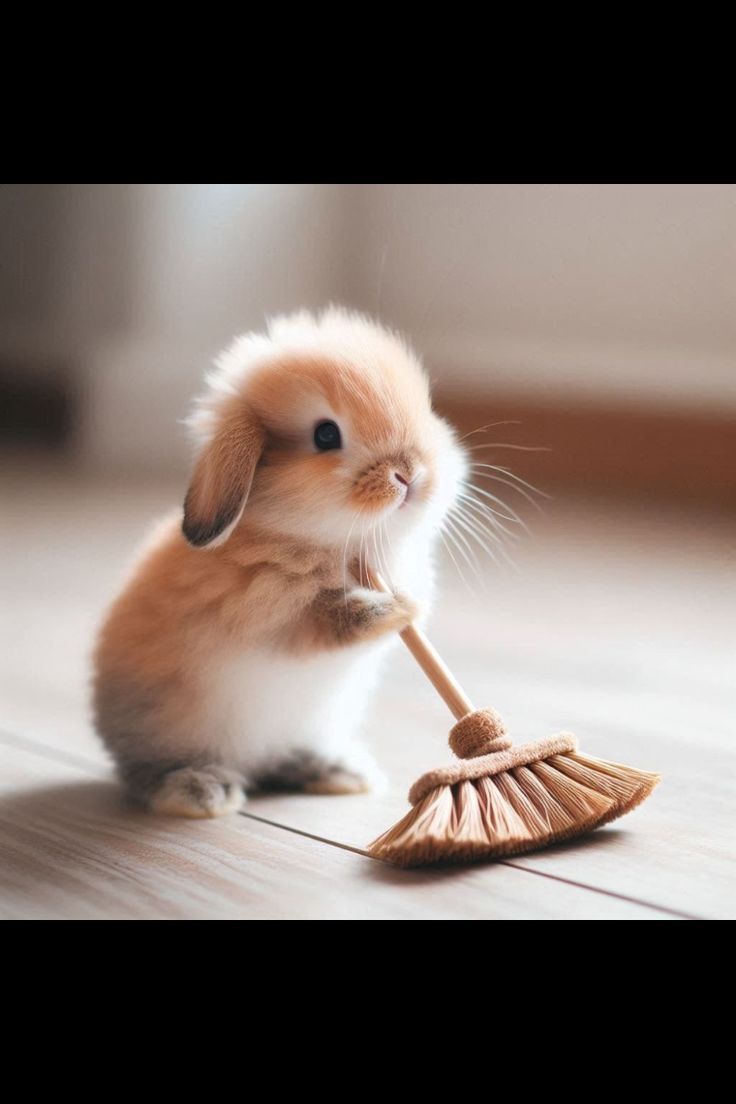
[{"x": 244, "y": 648}]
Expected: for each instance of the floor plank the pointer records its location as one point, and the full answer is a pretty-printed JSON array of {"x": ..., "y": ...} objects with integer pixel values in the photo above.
[
  {"x": 71, "y": 849},
  {"x": 618, "y": 625}
]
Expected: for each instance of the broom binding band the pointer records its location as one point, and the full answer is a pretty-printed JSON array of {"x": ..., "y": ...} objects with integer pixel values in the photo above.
[{"x": 497, "y": 762}]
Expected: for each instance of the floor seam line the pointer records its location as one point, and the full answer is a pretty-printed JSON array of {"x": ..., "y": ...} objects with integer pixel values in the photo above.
[
  {"x": 501, "y": 862},
  {"x": 607, "y": 892}
]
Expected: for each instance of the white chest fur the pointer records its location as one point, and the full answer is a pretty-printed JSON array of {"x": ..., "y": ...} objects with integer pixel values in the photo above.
[{"x": 264, "y": 703}]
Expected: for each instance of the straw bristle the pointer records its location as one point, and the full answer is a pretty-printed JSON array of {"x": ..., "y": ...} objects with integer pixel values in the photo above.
[
  {"x": 503, "y": 824},
  {"x": 518, "y": 810},
  {"x": 627, "y": 786},
  {"x": 421, "y": 835}
]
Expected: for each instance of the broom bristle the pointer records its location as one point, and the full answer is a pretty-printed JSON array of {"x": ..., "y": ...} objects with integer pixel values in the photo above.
[
  {"x": 561, "y": 803},
  {"x": 469, "y": 829},
  {"x": 502, "y": 820},
  {"x": 628, "y": 786},
  {"x": 517, "y": 810},
  {"x": 579, "y": 804},
  {"x": 512, "y": 789},
  {"x": 422, "y": 834}
]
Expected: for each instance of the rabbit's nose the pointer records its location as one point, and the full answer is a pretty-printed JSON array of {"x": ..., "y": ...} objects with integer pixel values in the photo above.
[{"x": 405, "y": 480}]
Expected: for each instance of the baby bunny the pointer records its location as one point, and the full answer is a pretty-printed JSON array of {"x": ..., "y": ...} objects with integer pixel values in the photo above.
[{"x": 245, "y": 646}]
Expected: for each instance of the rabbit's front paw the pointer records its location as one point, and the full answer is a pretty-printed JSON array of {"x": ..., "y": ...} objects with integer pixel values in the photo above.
[{"x": 371, "y": 612}]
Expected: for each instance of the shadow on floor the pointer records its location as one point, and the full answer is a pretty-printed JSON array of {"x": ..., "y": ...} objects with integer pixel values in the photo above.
[
  {"x": 77, "y": 851},
  {"x": 418, "y": 875}
]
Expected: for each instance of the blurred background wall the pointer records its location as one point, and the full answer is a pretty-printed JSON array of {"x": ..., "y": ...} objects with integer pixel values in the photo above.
[{"x": 600, "y": 316}]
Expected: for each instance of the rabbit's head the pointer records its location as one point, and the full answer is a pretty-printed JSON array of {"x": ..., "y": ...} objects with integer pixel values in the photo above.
[{"x": 321, "y": 430}]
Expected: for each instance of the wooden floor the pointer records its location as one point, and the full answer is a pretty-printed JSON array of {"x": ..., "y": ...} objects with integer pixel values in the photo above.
[{"x": 619, "y": 623}]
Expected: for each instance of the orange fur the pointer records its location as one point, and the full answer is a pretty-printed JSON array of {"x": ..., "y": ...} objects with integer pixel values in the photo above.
[{"x": 275, "y": 534}]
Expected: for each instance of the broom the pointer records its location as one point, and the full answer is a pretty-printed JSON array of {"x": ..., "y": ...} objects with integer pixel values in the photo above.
[{"x": 497, "y": 799}]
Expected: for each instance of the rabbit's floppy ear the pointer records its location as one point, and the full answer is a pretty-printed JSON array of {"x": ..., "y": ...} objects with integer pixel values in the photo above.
[{"x": 222, "y": 478}]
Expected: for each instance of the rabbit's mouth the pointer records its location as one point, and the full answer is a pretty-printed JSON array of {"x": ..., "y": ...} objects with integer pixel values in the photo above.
[{"x": 390, "y": 484}]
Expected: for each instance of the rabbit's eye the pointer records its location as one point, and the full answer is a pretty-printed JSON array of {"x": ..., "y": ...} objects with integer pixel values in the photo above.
[{"x": 327, "y": 436}]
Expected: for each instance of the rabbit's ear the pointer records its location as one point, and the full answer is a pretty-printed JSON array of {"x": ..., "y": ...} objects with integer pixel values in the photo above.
[{"x": 222, "y": 478}]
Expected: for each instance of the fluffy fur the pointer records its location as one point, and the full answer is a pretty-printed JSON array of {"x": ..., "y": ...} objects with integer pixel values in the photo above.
[{"x": 245, "y": 646}]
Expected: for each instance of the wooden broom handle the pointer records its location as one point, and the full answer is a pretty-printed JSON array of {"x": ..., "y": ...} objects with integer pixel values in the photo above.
[{"x": 431, "y": 663}]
